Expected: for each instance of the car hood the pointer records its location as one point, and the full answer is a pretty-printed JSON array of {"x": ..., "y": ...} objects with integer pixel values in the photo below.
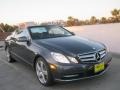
[{"x": 71, "y": 44}]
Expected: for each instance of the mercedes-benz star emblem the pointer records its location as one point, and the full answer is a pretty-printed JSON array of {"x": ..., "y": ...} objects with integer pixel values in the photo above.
[{"x": 97, "y": 56}]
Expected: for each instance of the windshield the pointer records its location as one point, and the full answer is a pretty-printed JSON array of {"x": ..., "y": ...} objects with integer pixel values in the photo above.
[{"x": 43, "y": 32}]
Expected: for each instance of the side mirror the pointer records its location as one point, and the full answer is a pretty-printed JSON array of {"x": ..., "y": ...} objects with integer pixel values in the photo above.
[
  {"x": 22, "y": 39},
  {"x": 72, "y": 33}
]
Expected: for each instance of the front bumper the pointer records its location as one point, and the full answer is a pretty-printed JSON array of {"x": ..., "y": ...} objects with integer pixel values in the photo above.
[{"x": 71, "y": 72}]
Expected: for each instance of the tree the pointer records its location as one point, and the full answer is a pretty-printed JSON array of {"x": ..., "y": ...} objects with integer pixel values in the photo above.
[
  {"x": 70, "y": 18},
  {"x": 72, "y": 21},
  {"x": 93, "y": 20},
  {"x": 86, "y": 22},
  {"x": 76, "y": 22},
  {"x": 116, "y": 14},
  {"x": 103, "y": 20},
  {"x": 7, "y": 28}
]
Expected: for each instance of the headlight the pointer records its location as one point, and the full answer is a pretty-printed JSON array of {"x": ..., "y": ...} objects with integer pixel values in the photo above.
[
  {"x": 72, "y": 59},
  {"x": 62, "y": 59},
  {"x": 59, "y": 57}
]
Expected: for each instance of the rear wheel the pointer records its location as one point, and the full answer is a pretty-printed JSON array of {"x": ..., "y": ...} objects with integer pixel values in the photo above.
[
  {"x": 43, "y": 72},
  {"x": 9, "y": 57}
]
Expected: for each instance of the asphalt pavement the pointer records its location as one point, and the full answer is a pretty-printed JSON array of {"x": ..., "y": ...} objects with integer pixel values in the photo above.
[{"x": 20, "y": 76}]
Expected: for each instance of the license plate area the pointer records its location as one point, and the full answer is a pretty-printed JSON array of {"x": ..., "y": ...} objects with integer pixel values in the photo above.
[{"x": 99, "y": 67}]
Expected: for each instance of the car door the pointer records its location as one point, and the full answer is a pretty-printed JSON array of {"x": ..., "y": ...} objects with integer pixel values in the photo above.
[
  {"x": 24, "y": 49},
  {"x": 13, "y": 45}
]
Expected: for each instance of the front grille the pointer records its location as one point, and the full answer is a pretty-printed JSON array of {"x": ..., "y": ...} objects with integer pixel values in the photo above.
[
  {"x": 92, "y": 56},
  {"x": 102, "y": 53}
]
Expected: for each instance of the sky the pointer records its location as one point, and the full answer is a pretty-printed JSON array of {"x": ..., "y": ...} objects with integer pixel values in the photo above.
[{"x": 17, "y": 11}]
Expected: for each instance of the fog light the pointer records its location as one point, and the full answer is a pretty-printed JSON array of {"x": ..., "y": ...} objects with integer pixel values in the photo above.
[{"x": 52, "y": 67}]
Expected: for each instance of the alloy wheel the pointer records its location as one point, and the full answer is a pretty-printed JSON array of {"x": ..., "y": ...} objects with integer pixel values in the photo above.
[{"x": 41, "y": 71}]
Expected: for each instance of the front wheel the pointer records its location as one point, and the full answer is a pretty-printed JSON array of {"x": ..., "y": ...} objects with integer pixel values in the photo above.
[
  {"x": 9, "y": 58},
  {"x": 43, "y": 72}
]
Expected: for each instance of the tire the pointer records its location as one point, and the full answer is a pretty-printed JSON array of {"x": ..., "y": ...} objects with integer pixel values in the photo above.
[
  {"x": 9, "y": 57},
  {"x": 43, "y": 72}
]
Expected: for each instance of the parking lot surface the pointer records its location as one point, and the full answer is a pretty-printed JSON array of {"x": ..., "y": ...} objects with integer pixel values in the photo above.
[{"x": 20, "y": 76}]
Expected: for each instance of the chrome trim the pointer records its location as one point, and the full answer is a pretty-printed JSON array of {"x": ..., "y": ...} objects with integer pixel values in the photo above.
[
  {"x": 71, "y": 75},
  {"x": 91, "y": 56},
  {"x": 103, "y": 51},
  {"x": 84, "y": 77},
  {"x": 91, "y": 52}
]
